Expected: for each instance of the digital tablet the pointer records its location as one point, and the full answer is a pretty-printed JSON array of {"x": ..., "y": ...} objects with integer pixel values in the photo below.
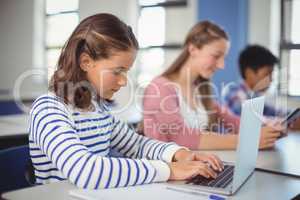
[{"x": 290, "y": 118}]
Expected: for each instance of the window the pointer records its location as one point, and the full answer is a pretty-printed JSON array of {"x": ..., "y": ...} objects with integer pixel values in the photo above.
[
  {"x": 151, "y": 19},
  {"x": 61, "y": 19},
  {"x": 290, "y": 46},
  {"x": 152, "y": 36}
]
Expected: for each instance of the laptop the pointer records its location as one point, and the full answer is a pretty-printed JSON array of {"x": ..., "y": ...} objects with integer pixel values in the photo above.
[{"x": 235, "y": 174}]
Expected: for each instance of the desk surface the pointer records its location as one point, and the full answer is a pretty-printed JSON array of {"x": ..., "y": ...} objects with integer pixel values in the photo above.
[
  {"x": 282, "y": 158},
  {"x": 261, "y": 185},
  {"x": 14, "y": 125}
]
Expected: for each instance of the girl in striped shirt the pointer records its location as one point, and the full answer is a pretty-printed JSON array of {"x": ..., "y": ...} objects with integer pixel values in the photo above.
[{"x": 72, "y": 130}]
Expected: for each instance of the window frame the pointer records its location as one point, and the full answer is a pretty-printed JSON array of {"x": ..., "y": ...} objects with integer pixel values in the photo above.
[
  {"x": 166, "y": 46},
  {"x": 165, "y": 5},
  {"x": 57, "y": 47},
  {"x": 285, "y": 47}
]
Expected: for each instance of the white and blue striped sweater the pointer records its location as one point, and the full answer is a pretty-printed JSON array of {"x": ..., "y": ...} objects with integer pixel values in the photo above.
[{"x": 68, "y": 144}]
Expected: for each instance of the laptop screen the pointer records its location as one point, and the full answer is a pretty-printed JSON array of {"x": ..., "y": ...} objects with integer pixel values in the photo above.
[{"x": 247, "y": 150}]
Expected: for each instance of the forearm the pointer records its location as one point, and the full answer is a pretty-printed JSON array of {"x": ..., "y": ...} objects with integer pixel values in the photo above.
[{"x": 214, "y": 141}]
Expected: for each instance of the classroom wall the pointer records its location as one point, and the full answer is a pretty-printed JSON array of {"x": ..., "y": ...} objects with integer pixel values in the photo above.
[
  {"x": 125, "y": 9},
  {"x": 232, "y": 16},
  {"x": 178, "y": 23},
  {"x": 264, "y": 23},
  {"x": 20, "y": 47},
  {"x": 179, "y": 20}
]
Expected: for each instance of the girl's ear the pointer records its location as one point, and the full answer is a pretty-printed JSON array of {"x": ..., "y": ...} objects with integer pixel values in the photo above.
[
  {"x": 192, "y": 49},
  {"x": 85, "y": 62}
]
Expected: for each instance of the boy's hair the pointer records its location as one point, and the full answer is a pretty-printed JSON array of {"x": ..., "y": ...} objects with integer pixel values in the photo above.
[
  {"x": 99, "y": 36},
  {"x": 255, "y": 57}
]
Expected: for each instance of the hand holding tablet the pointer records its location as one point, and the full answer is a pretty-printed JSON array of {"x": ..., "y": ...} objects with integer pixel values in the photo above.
[{"x": 290, "y": 118}]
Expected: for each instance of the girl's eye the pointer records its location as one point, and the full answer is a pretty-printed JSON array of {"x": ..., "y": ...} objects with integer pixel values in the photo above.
[
  {"x": 216, "y": 56},
  {"x": 118, "y": 72}
]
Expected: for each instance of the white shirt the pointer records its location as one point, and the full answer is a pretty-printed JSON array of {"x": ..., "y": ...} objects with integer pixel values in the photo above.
[{"x": 194, "y": 118}]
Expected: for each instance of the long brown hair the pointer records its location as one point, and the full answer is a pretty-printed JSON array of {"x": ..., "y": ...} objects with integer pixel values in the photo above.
[
  {"x": 201, "y": 34},
  {"x": 99, "y": 36}
]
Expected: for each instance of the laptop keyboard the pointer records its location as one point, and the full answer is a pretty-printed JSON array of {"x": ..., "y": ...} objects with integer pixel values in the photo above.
[{"x": 223, "y": 178}]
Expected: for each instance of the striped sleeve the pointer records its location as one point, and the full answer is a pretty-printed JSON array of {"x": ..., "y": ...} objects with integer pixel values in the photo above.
[
  {"x": 53, "y": 132},
  {"x": 129, "y": 143}
]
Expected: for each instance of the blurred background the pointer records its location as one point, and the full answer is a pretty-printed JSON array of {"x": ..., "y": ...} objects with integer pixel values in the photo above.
[{"x": 32, "y": 33}]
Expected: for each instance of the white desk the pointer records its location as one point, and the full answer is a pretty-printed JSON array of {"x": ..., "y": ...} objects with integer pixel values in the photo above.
[
  {"x": 14, "y": 125},
  {"x": 261, "y": 185},
  {"x": 283, "y": 158}
]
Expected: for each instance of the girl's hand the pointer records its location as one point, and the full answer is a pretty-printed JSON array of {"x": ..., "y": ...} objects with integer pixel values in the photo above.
[
  {"x": 184, "y": 170},
  {"x": 210, "y": 159}
]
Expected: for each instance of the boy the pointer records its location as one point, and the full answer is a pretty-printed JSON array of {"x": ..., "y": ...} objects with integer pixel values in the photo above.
[{"x": 256, "y": 64}]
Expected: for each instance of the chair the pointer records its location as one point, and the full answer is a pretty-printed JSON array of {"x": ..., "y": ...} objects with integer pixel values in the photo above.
[
  {"x": 9, "y": 107},
  {"x": 16, "y": 170}
]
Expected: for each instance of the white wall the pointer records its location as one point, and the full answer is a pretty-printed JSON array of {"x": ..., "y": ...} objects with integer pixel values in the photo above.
[
  {"x": 17, "y": 49},
  {"x": 126, "y": 10},
  {"x": 264, "y": 23},
  {"x": 178, "y": 22}
]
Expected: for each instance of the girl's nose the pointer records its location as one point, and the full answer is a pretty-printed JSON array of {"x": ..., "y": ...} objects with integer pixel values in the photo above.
[
  {"x": 221, "y": 64},
  {"x": 122, "y": 80}
]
